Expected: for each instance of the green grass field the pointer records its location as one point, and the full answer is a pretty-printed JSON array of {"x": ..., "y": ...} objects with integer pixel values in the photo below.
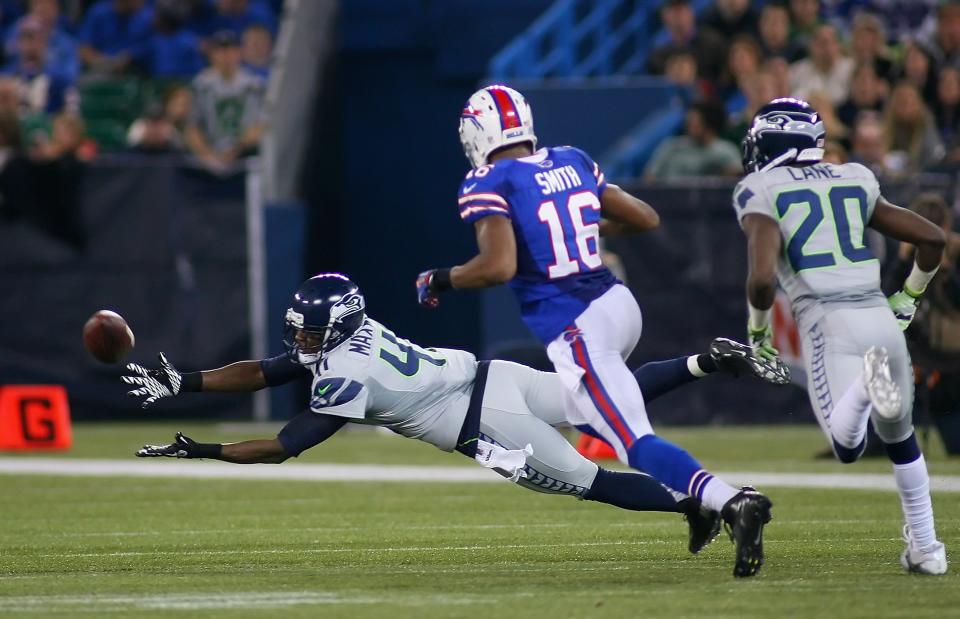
[{"x": 122, "y": 546}]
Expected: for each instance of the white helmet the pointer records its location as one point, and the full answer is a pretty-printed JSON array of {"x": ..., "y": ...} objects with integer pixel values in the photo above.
[{"x": 494, "y": 117}]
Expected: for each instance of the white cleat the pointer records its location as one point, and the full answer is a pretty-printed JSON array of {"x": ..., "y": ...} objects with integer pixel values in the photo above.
[
  {"x": 931, "y": 561},
  {"x": 884, "y": 393}
]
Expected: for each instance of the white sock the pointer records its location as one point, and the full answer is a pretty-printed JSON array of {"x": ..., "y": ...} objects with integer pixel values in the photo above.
[
  {"x": 913, "y": 484},
  {"x": 848, "y": 419},
  {"x": 716, "y": 493}
]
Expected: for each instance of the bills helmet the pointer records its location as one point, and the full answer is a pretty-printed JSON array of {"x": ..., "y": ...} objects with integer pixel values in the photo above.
[
  {"x": 783, "y": 131},
  {"x": 494, "y": 117},
  {"x": 325, "y": 311}
]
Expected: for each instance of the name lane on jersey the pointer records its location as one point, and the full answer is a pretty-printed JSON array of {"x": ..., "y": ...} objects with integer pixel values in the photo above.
[
  {"x": 360, "y": 341},
  {"x": 559, "y": 179}
]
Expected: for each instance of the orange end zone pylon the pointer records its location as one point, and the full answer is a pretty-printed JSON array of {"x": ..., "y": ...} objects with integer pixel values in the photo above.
[{"x": 595, "y": 449}]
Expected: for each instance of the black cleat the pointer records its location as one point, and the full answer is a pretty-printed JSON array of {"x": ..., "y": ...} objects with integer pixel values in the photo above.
[
  {"x": 738, "y": 359},
  {"x": 704, "y": 524},
  {"x": 745, "y": 514}
]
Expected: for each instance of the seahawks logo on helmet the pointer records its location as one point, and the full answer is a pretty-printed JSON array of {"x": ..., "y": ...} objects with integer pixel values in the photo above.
[{"x": 348, "y": 305}]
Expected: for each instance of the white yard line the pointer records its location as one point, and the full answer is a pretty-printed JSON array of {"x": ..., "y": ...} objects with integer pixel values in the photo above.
[{"x": 169, "y": 468}]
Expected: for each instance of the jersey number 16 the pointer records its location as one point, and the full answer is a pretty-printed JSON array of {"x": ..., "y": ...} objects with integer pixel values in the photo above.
[{"x": 588, "y": 256}]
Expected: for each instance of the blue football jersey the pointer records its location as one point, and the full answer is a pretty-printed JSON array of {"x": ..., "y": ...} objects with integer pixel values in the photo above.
[{"x": 552, "y": 200}]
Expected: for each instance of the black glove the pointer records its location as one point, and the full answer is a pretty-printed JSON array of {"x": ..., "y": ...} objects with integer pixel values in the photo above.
[{"x": 182, "y": 447}]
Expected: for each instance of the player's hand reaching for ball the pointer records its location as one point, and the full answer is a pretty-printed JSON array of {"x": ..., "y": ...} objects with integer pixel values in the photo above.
[
  {"x": 761, "y": 340},
  {"x": 163, "y": 382},
  {"x": 181, "y": 447}
]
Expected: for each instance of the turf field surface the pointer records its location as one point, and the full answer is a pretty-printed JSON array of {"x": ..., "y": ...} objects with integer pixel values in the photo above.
[{"x": 123, "y": 546}]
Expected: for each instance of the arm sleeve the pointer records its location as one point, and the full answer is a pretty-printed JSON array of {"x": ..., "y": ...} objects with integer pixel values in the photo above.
[
  {"x": 480, "y": 196},
  {"x": 281, "y": 370},
  {"x": 308, "y": 430},
  {"x": 750, "y": 197}
]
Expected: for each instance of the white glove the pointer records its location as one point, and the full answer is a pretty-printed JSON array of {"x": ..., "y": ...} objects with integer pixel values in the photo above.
[
  {"x": 155, "y": 384},
  {"x": 508, "y": 462}
]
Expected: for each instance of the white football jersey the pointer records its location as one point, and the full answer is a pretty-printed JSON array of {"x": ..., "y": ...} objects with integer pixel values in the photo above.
[
  {"x": 380, "y": 379},
  {"x": 823, "y": 211}
]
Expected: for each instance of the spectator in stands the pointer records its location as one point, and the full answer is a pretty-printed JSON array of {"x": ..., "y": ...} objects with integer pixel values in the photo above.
[
  {"x": 743, "y": 61},
  {"x": 730, "y": 18},
  {"x": 62, "y": 48},
  {"x": 257, "y": 50},
  {"x": 681, "y": 69},
  {"x": 706, "y": 47},
  {"x": 700, "y": 152},
  {"x": 917, "y": 69},
  {"x": 804, "y": 20},
  {"x": 947, "y": 113},
  {"x": 868, "y": 44},
  {"x": 944, "y": 46},
  {"x": 113, "y": 34},
  {"x": 227, "y": 111},
  {"x": 172, "y": 51},
  {"x": 759, "y": 90},
  {"x": 238, "y": 15},
  {"x": 867, "y": 93},
  {"x": 777, "y": 67},
  {"x": 775, "y": 33},
  {"x": 154, "y": 133},
  {"x": 178, "y": 106},
  {"x": 826, "y": 69},
  {"x": 910, "y": 131},
  {"x": 868, "y": 146},
  {"x": 69, "y": 140},
  {"x": 42, "y": 87}
]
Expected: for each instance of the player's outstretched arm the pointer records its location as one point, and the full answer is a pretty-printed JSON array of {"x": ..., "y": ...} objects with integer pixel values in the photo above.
[
  {"x": 763, "y": 248},
  {"x": 259, "y": 451},
  {"x": 167, "y": 381},
  {"x": 930, "y": 241},
  {"x": 625, "y": 214}
]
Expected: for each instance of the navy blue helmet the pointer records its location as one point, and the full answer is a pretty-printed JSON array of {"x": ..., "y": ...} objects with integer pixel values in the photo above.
[
  {"x": 783, "y": 131},
  {"x": 326, "y": 310}
]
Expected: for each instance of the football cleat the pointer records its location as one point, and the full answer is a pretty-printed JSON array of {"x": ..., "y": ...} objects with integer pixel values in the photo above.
[
  {"x": 703, "y": 522},
  {"x": 932, "y": 561},
  {"x": 745, "y": 515},
  {"x": 884, "y": 393},
  {"x": 738, "y": 359}
]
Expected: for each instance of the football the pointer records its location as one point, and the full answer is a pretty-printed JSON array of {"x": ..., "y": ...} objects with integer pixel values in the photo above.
[{"x": 107, "y": 337}]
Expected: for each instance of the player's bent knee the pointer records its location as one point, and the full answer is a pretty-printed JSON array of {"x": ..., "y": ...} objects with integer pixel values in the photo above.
[{"x": 849, "y": 455}]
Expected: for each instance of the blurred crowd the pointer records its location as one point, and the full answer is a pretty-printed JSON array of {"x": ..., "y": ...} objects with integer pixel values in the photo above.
[
  {"x": 883, "y": 74},
  {"x": 152, "y": 76}
]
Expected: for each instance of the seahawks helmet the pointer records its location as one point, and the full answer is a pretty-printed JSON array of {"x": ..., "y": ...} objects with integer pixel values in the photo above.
[
  {"x": 327, "y": 309},
  {"x": 783, "y": 131}
]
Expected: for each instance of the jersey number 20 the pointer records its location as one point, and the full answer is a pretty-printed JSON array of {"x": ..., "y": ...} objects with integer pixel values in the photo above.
[
  {"x": 563, "y": 263},
  {"x": 838, "y": 197}
]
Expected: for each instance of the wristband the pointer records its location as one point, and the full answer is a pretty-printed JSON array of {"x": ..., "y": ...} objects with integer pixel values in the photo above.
[
  {"x": 916, "y": 283},
  {"x": 759, "y": 319},
  {"x": 440, "y": 282},
  {"x": 191, "y": 381},
  {"x": 207, "y": 450}
]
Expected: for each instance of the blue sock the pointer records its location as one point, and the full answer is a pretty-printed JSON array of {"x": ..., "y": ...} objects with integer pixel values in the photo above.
[
  {"x": 658, "y": 377},
  {"x": 904, "y": 452},
  {"x": 848, "y": 455},
  {"x": 666, "y": 462},
  {"x": 634, "y": 491}
]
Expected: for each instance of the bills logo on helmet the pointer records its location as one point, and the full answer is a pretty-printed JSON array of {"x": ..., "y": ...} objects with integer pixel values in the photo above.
[
  {"x": 294, "y": 318},
  {"x": 349, "y": 304}
]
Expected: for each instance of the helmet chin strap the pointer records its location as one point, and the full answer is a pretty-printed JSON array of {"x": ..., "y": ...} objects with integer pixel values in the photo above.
[{"x": 790, "y": 155}]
